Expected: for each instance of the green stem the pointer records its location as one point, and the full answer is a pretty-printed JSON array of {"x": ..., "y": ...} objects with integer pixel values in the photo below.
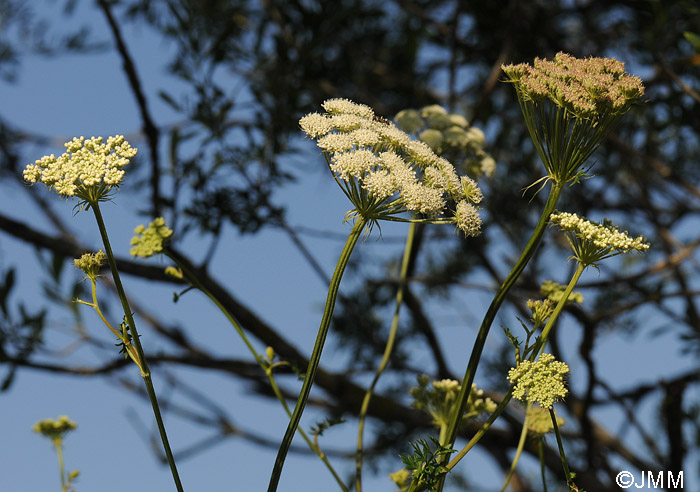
[
  {"x": 480, "y": 433},
  {"x": 61, "y": 469},
  {"x": 557, "y": 310},
  {"x": 268, "y": 370},
  {"x": 415, "y": 487},
  {"x": 145, "y": 373},
  {"x": 564, "y": 463},
  {"x": 518, "y": 452},
  {"x": 385, "y": 358},
  {"x": 198, "y": 285},
  {"x": 493, "y": 310},
  {"x": 535, "y": 350},
  {"x": 312, "y": 445},
  {"x": 540, "y": 449},
  {"x": 355, "y": 234}
]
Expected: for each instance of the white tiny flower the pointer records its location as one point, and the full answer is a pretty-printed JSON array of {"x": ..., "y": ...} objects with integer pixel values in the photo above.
[
  {"x": 85, "y": 168},
  {"x": 467, "y": 217},
  {"x": 345, "y": 106},
  {"x": 315, "y": 125},
  {"x": 385, "y": 172}
]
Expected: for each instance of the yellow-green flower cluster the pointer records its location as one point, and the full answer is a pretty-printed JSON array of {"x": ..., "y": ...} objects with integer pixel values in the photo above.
[
  {"x": 541, "y": 310},
  {"x": 90, "y": 263},
  {"x": 149, "y": 241},
  {"x": 540, "y": 381},
  {"x": 592, "y": 242},
  {"x": 585, "y": 87},
  {"x": 54, "y": 429},
  {"x": 439, "y": 398},
  {"x": 539, "y": 421},
  {"x": 555, "y": 291},
  {"x": 402, "y": 479},
  {"x": 449, "y": 134},
  {"x": 88, "y": 169},
  {"x": 384, "y": 172}
]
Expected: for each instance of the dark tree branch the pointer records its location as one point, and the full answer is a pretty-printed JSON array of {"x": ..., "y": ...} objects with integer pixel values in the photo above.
[{"x": 150, "y": 129}]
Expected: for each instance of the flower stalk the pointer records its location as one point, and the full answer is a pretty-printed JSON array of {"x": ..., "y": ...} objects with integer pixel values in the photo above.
[
  {"x": 385, "y": 357},
  {"x": 142, "y": 363},
  {"x": 355, "y": 234}
]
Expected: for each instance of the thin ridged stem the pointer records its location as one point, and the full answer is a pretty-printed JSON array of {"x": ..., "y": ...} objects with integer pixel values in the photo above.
[
  {"x": 518, "y": 451},
  {"x": 385, "y": 358},
  {"x": 540, "y": 452},
  {"x": 564, "y": 462},
  {"x": 354, "y": 236},
  {"x": 145, "y": 373},
  {"x": 267, "y": 369},
  {"x": 493, "y": 310},
  {"x": 58, "y": 443},
  {"x": 580, "y": 267}
]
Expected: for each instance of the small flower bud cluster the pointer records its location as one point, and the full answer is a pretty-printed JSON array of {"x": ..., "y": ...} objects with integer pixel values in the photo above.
[
  {"x": 173, "y": 272},
  {"x": 584, "y": 87},
  {"x": 401, "y": 478},
  {"x": 439, "y": 400},
  {"x": 449, "y": 134},
  {"x": 394, "y": 173},
  {"x": 540, "y": 381},
  {"x": 539, "y": 421},
  {"x": 54, "y": 429},
  {"x": 149, "y": 241},
  {"x": 87, "y": 166},
  {"x": 555, "y": 291},
  {"x": 593, "y": 242},
  {"x": 90, "y": 263},
  {"x": 541, "y": 310}
]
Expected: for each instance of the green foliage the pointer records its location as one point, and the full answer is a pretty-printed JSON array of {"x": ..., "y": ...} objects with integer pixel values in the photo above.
[{"x": 425, "y": 463}]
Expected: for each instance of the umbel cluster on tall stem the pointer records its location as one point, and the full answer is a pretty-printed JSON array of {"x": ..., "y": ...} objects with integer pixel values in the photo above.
[
  {"x": 570, "y": 105},
  {"x": 92, "y": 170}
]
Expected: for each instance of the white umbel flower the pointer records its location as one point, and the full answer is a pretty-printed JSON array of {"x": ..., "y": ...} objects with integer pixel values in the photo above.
[
  {"x": 593, "y": 242},
  {"x": 385, "y": 173},
  {"x": 88, "y": 169}
]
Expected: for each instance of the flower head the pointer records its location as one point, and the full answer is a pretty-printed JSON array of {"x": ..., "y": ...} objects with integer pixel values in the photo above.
[
  {"x": 540, "y": 381},
  {"x": 449, "y": 135},
  {"x": 593, "y": 242},
  {"x": 90, "y": 263},
  {"x": 584, "y": 87},
  {"x": 439, "y": 398},
  {"x": 89, "y": 169},
  {"x": 55, "y": 429},
  {"x": 402, "y": 478},
  {"x": 149, "y": 241},
  {"x": 541, "y": 310},
  {"x": 570, "y": 105},
  {"x": 555, "y": 291},
  {"x": 385, "y": 173},
  {"x": 539, "y": 421}
]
